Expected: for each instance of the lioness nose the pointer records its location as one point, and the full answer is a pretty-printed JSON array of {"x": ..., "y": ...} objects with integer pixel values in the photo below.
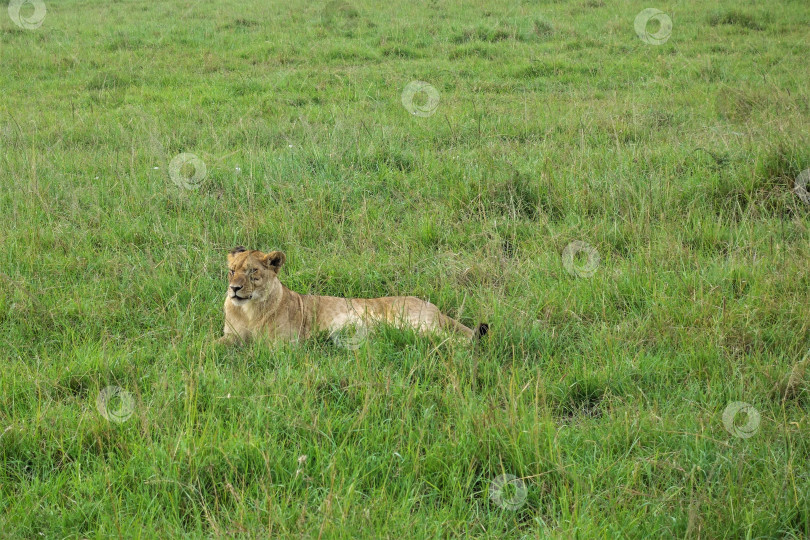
[{"x": 235, "y": 288}]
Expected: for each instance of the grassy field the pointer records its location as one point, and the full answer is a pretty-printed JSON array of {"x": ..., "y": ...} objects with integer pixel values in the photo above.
[{"x": 667, "y": 160}]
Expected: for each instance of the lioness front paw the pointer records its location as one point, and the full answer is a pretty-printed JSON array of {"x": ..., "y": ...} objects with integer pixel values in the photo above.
[{"x": 227, "y": 339}]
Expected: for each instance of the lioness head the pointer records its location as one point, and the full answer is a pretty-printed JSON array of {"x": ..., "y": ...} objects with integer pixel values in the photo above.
[{"x": 252, "y": 275}]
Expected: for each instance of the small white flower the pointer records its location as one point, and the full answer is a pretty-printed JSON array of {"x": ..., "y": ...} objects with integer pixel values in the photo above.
[
  {"x": 156, "y": 168},
  {"x": 302, "y": 458}
]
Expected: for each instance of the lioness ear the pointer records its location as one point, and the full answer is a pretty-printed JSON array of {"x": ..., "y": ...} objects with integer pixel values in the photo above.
[
  {"x": 234, "y": 251},
  {"x": 274, "y": 260}
]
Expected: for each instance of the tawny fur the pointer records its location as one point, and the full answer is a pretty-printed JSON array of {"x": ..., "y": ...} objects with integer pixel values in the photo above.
[{"x": 258, "y": 305}]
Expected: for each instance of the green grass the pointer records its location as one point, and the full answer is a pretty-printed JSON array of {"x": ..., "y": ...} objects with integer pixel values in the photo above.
[{"x": 556, "y": 123}]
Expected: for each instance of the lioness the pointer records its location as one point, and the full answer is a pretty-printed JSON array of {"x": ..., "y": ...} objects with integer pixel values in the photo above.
[{"x": 257, "y": 304}]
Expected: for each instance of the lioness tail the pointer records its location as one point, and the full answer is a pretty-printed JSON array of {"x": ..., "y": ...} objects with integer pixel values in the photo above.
[{"x": 481, "y": 330}]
